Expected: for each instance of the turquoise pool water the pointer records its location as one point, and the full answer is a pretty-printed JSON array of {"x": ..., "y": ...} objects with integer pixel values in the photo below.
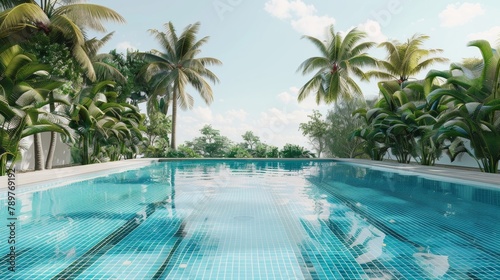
[{"x": 256, "y": 220}]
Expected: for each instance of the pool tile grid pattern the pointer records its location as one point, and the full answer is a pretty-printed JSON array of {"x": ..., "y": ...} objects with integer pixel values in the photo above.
[
  {"x": 250, "y": 223},
  {"x": 440, "y": 232},
  {"x": 228, "y": 240},
  {"x": 57, "y": 236},
  {"x": 324, "y": 255}
]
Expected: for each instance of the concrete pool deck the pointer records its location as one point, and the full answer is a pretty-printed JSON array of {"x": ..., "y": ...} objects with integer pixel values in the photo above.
[{"x": 462, "y": 173}]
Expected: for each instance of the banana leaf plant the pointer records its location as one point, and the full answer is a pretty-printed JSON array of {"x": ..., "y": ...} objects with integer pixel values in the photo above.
[
  {"x": 476, "y": 112},
  {"x": 24, "y": 87},
  {"x": 396, "y": 120},
  {"x": 102, "y": 124},
  {"x": 374, "y": 140}
]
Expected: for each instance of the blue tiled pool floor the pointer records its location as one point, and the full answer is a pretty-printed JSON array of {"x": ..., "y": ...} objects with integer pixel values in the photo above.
[{"x": 244, "y": 220}]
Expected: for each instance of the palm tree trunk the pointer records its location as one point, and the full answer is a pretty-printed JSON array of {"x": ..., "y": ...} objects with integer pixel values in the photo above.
[
  {"x": 53, "y": 136},
  {"x": 52, "y": 148},
  {"x": 3, "y": 164},
  {"x": 38, "y": 152},
  {"x": 85, "y": 150},
  {"x": 174, "y": 119}
]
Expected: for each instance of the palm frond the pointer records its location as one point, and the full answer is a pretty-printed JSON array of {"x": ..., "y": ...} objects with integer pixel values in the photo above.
[
  {"x": 69, "y": 29},
  {"x": 92, "y": 46},
  {"x": 89, "y": 15},
  {"x": 313, "y": 64},
  {"x": 319, "y": 45},
  {"x": 23, "y": 14},
  {"x": 83, "y": 59}
]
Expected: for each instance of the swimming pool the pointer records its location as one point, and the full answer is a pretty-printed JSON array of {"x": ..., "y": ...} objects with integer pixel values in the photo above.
[{"x": 256, "y": 220}]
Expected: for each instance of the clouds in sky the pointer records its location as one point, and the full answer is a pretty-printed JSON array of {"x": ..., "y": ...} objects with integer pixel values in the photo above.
[
  {"x": 492, "y": 35},
  {"x": 373, "y": 30},
  {"x": 303, "y": 18},
  {"x": 123, "y": 47},
  {"x": 458, "y": 15}
]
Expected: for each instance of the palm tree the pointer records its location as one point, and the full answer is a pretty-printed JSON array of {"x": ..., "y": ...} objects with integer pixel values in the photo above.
[
  {"x": 66, "y": 20},
  {"x": 341, "y": 58},
  {"x": 175, "y": 68},
  {"x": 405, "y": 60}
]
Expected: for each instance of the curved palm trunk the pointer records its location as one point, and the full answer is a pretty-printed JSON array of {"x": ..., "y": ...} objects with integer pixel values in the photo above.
[
  {"x": 174, "y": 119},
  {"x": 38, "y": 152}
]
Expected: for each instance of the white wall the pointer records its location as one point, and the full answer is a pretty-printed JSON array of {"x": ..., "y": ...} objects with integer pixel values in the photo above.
[
  {"x": 62, "y": 155},
  {"x": 464, "y": 159}
]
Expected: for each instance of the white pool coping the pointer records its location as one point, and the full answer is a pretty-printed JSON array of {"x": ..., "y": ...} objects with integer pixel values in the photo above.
[
  {"x": 34, "y": 177},
  {"x": 467, "y": 174}
]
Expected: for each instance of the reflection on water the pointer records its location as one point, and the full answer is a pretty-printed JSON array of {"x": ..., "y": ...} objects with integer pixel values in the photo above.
[
  {"x": 434, "y": 265},
  {"x": 55, "y": 224},
  {"x": 393, "y": 220}
]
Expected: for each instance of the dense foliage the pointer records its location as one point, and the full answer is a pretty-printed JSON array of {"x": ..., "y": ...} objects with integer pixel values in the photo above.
[{"x": 413, "y": 119}]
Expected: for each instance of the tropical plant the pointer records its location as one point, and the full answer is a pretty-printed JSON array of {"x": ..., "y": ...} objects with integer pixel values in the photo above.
[
  {"x": 295, "y": 151},
  {"x": 171, "y": 71},
  {"x": 405, "y": 60},
  {"x": 261, "y": 150},
  {"x": 103, "y": 125},
  {"x": 476, "y": 112},
  {"x": 65, "y": 68},
  {"x": 388, "y": 125},
  {"x": 183, "y": 151},
  {"x": 135, "y": 90},
  {"x": 65, "y": 21},
  {"x": 64, "y": 25},
  {"x": 373, "y": 139},
  {"x": 341, "y": 59},
  {"x": 157, "y": 128},
  {"x": 24, "y": 88}
]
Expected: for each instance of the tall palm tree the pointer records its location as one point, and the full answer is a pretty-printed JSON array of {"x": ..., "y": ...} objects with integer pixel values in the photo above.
[
  {"x": 406, "y": 60},
  {"x": 177, "y": 67},
  {"x": 341, "y": 58}
]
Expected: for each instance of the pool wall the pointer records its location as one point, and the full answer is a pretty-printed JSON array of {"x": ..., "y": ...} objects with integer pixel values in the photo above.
[{"x": 436, "y": 172}]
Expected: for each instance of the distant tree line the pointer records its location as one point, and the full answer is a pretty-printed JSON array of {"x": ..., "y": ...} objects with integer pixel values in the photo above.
[{"x": 211, "y": 144}]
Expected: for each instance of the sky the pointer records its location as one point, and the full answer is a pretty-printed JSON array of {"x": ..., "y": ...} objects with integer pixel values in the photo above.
[{"x": 260, "y": 45}]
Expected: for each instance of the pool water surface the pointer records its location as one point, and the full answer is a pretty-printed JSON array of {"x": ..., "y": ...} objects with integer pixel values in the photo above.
[{"x": 256, "y": 220}]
